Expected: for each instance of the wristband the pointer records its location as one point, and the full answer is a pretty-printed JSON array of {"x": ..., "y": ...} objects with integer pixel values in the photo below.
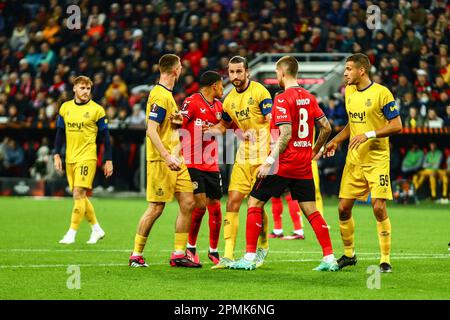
[
  {"x": 270, "y": 160},
  {"x": 370, "y": 134}
]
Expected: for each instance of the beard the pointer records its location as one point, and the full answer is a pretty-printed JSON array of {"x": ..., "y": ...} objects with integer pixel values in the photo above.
[{"x": 238, "y": 83}]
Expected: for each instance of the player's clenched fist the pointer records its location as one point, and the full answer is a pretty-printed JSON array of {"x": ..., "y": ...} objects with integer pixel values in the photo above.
[{"x": 330, "y": 149}]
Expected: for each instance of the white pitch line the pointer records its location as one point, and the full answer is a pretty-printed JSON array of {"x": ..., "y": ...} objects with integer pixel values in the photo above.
[
  {"x": 161, "y": 264},
  {"x": 204, "y": 251}
]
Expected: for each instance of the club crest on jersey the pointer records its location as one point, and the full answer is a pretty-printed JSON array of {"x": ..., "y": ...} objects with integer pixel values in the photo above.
[
  {"x": 233, "y": 105},
  {"x": 250, "y": 101},
  {"x": 86, "y": 115},
  {"x": 368, "y": 103},
  {"x": 160, "y": 192},
  {"x": 218, "y": 115}
]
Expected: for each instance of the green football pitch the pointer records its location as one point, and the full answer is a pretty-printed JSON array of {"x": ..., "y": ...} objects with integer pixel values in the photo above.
[{"x": 34, "y": 266}]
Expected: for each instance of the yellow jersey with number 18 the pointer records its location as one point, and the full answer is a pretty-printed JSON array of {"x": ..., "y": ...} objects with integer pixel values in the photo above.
[
  {"x": 160, "y": 106},
  {"x": 369, "y": 109},
  {"x": 247, "y": 109},
  {"x": 81, "y": 122}
]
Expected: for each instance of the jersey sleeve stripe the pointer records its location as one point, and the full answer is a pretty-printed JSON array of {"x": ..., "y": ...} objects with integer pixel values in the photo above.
[
  {"x": 390, "y": 110},
  {"x": 318, "y": 118},
  {"x": 283, "y": 122},
  {"x": 266, "y": 106}
]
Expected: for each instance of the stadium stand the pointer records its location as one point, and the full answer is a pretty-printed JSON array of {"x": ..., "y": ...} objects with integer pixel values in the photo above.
[{"x": 118, "y": 45}]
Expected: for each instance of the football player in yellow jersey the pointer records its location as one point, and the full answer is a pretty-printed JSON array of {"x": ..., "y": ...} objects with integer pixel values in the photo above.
[
  {"x": 79, "y": 121},
  {"x": 373, "y": 117},
  {"x": 249, "y": 107},
  {"x": 167, "y": 174}
]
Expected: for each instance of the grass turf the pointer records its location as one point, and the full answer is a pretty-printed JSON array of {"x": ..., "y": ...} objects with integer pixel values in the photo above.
[{"x": 34, "y": 266}]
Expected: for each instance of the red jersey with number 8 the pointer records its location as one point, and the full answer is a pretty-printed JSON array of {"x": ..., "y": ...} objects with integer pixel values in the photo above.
[{"x": 299, "y": 108}]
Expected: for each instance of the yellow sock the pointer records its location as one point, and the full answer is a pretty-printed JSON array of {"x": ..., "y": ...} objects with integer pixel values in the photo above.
[
  {"x": 347, "y": 234},
  {"x": 90, "y": 212},
  {"x": 181, "y": 239},
  {"x": 263, "y": 240},
  {"x": 139, "y": 243},
  {"x": 78, "y": 211},
  {"x": 384, "y": 237},
  {"x": 230, "y": 229}
]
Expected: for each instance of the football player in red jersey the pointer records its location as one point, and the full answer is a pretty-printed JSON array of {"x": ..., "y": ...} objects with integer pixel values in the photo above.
[
  {"x": 294, "y": 112},
  {"x": 201, "y": 156}
]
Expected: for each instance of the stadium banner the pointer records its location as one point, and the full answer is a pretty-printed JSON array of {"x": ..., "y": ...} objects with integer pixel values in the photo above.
[
  {"x": 32, "y": 187},
  {"x": 21, "y": 187}
]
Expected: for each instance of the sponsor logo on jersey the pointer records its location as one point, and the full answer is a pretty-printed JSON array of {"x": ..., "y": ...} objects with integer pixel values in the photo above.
[
  {"x": 243, "y": 114},
  {"x": 75, "y": 125},
  {"x": 282, "y": 110},
  {"x": 280, "y": 100},
  {"x": 202, "y": 111},
  {"x": 360, "y": 116}
]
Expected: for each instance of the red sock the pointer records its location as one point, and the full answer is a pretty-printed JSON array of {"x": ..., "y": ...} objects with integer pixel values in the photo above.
[
  {"x": 196, "y": 221},
  {"x": 277, "y": 210},
  {"x": 320, "y": 228},
  {"x": 253, "y": 228},
  {"x": 294, "y": 211},
  {"x": 215, "y": 221}
]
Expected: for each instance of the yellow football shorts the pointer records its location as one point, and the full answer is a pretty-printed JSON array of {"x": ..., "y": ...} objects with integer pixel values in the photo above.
[
  {"x": 358, "y": 181},
  {"x": 243, "y": 177},
  {"x": 162, "y": 183},
  {"x": 81, "y": 174}
]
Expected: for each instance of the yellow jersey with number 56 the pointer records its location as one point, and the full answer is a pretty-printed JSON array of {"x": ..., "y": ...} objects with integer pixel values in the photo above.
[{"x": 369, "y": 109}]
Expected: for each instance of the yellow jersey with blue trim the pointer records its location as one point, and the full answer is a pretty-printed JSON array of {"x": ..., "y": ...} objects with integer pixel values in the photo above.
[
  {"x": 160, "y": 106},
  {"x": 369, "y": 109},
  {"x": 81, "y": 122},
  {"x": 248, "y": 109}
]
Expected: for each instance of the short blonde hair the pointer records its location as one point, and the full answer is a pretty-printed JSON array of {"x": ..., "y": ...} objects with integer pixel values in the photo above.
[{"x": 82, "y": 79}]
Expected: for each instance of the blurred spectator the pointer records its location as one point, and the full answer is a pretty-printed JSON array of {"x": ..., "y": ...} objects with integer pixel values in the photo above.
[
  {"x": 117, "y": 92},
  {"x": 412, "y": 162},
  {"x": 19, "y": 38},
  {"x": 430, "y": 167},
  {"x": 432, "y": 120},
  {"x": 447, "y": 116},
  {"x": 414, "y": 120},
  {"x": 137, "y": 118},
  {"x": 14, "y": 159},
  {"x": 43, "y": 168}
]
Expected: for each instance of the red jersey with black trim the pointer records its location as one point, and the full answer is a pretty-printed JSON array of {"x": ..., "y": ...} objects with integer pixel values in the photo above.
[
  {"x": 298, "y": 107},
  {"x": 200, "y": 151}
]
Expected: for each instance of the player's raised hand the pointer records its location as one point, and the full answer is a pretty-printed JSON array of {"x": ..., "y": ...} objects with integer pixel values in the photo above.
[
  {"x": 58, "y": 163},
  {"x": 330, "y": 149},
  {"x": 356, "y": 141},
  {"x": 172, "y": 162},
  {"x": 108, "y": 168}
]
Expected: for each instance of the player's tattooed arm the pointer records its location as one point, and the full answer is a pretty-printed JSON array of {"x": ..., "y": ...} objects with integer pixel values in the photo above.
[
  {"x": 283, "y": 140},
  {"x": 324, "y": 133},
  {"x": 280, "y": 146}
]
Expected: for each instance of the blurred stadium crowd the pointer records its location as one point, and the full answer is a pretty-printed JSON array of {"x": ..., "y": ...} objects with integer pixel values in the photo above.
[{"x": 119, "y": 43}]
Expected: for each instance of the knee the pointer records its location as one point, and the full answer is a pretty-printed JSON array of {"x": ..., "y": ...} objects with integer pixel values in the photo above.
[
  {"x": 379, "y": 210},
  {"x": 79, "y": 194},
  {"x": 188, "y": 205},
  {"x": 345, "y": 211}
]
